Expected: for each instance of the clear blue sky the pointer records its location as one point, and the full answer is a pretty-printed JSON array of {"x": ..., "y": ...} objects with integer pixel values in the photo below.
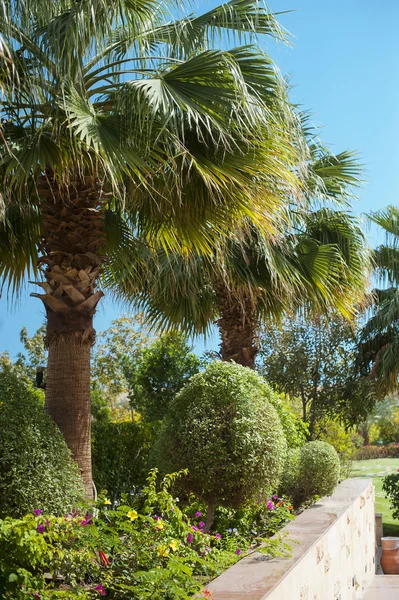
[{"x": 343, "y": 64}]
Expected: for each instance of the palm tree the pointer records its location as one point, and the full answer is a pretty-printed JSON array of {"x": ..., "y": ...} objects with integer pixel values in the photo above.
[
  {"x": 379, "y": 344},
  {"x": 106, "y": 114},
  {"x": 317, "y": 259}
]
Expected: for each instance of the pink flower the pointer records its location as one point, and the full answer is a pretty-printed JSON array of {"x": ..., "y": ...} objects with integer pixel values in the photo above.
[
  {"x": 40, "y": 528},
  {"x": 275, "y": 497},
  {"x": 238, "y": 551},
  {"x": 201, "y": 524},
  {"x": 190, "y": 538},
  {"x": 47, "y": 523},
  {"x": 218, "y": 536},
  {"x": 157, "y": 518},
  {"x": 101, "y": 590},
  {"x": 270, "y": 505},
  {"x": 38, "y": 511},
  {"x": 198, "y": 514},
  {"x": 207, "y": 549},
  {"x": 194, "y": 528}
]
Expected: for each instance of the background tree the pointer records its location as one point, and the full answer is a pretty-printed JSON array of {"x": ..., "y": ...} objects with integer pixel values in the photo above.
[
  {"x": 160, "y": 372},
  {"x": 95, "y": 98},
  {"x": 319, "y": 261},
  {"x": 314, "y": 360},
  {"x": 379, "y": 344}
]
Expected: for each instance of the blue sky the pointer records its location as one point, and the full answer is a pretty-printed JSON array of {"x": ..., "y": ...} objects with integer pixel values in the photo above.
[{"x": 343, "y": 64}]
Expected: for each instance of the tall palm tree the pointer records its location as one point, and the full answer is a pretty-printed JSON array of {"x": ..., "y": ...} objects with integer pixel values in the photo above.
[
  {"x": 379, "y": 344},
  {"x": 100, "y": 99},
  {"x": 316, "y": 258}
]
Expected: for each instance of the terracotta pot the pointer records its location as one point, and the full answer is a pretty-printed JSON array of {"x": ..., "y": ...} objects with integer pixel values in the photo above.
[{"x": 390, "y": 555}]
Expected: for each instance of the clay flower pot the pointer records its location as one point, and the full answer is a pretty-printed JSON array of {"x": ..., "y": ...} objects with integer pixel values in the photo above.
[{"x": 390, "y": 555}]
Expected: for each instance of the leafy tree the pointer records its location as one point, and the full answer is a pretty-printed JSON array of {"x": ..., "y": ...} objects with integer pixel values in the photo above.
[
  {"x": 161, "y": 371},
  {"x": 36, "y": 360},
  {"x": 224, "y": 430},
  {"x": 379, "y": 344},
  {"x": 314, "y": 359},
  {"x": 115, "y": 354},
  {"x": 107, "y": 117}
]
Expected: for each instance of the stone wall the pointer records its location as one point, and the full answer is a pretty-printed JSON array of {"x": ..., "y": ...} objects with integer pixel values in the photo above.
[{"x": 333, "y": 559}]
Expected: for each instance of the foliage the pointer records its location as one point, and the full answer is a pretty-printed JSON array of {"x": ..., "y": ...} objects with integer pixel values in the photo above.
[
  {"x": 36, "y": 353},
  {"x": 370, "y": 452},
  {"x": 224, "y": 430},
  {"x": 151, "y": 551},
  {"x": 314, "y": 359},
  {"x": 257, "y": 519},
  {"x": 382, "y": 424},
  {"x": 379, "y": 343},
  {"x": 120, "y": 453},
  {"x": 295, "y": 429},
  {"x": 116, "y": 350},
  {"x": 346, "y": 443},
  {"x": 36, "y": 469},
  {"x": 390, "y": 485},
  {"x": 310, "y": 471},
  {"x": 160, "y": 372}
]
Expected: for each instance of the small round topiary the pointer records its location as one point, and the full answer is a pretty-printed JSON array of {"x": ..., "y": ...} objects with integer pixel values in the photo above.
[
  {"x": 223, "y": 429},
  {"x": 311, "y": 471},
  {"x": 36, "y": 468}
]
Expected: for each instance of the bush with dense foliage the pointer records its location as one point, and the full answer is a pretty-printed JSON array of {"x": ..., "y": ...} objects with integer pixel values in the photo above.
[
  {"x": 370, "y": 452},
  {"x": 224, "y": 430},
  {"x": 36, "y": 468},
  {"x": 310, "y": 471},
  {"x": 120, "y": 456},
  {"x": 390, "y": 485},
  {"x": 151, "y": 550},
  {"x": 161, "y": 371}
]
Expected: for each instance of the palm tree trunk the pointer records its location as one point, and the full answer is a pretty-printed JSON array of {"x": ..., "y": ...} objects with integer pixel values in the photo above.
[
  {"x": 238, "y": 326},
  {"x": 72, "y": 233},
  {"x": 68, "y": 398}
]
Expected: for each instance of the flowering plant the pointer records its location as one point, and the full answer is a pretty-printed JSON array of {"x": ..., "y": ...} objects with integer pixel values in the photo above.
[{"x": 150, "y": 551}]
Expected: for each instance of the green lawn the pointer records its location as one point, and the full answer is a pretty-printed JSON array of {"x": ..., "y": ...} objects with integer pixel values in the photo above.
[{"x": 376, "y": 469}]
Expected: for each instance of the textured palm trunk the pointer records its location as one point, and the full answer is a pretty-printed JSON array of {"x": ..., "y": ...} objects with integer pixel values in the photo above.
[
  {"x": 72, "y": 233},
  {"x": 238, "y": 326}
]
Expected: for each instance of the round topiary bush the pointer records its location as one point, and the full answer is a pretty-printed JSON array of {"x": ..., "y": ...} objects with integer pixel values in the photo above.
[
  {"x": 36, "y": 468},
  {"x": 310, "y": 471},
  {"x": 223, "y": 429}
]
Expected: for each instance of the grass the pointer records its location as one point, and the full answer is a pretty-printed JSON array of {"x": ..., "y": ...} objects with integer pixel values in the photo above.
[{"x": 376, "y": 469}]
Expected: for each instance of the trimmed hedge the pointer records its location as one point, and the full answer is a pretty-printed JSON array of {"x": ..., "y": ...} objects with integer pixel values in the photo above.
[
  {"x": 310, "y": 471},
  {"x": 36, "y": 467},
  {"x": 369, "y": 452},
  {"x": 224, "y": 430}
]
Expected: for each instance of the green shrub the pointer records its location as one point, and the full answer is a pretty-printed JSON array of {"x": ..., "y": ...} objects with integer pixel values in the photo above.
[
  {"x": 36, "y": 468},
  {"x": 224, "y": 430},
  {"x": 390, "y": 485},
  {"x": 310, "y": 471},
  {"x": 120, "y": 456},
  {"x": 370, "y": 452}
]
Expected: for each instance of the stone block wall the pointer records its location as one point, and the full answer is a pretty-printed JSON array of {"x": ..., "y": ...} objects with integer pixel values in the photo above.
[{"x": 333, "y": 554}]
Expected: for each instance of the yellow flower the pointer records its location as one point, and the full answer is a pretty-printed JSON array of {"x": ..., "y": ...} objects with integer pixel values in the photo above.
[
  {"x": 106, "y": 501},
  {"x": 174, "y": 544},
  {"x": 160, "y": 524},
  {"x": 163, "y": 550},
  {"x": 132, "y": 514}
]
